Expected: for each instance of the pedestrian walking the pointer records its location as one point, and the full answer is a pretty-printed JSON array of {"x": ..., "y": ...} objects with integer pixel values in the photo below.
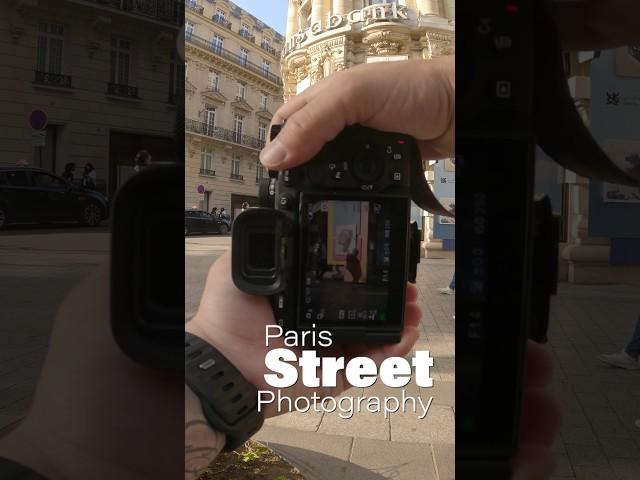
[
  {"x": 141, "y": 160},
  {"x": 628, "y": 357}
]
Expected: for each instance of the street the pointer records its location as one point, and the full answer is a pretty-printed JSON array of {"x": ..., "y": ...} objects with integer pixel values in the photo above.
[{"x": 38, "y": 268}]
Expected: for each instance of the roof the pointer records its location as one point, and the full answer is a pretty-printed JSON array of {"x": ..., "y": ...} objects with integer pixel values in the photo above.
[{"x": 258, "y": 23}]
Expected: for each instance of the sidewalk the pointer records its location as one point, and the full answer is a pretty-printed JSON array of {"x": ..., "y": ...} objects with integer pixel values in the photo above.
[
  {"x": 368, "y": 446},
  {"x": 598, "y": 439}
]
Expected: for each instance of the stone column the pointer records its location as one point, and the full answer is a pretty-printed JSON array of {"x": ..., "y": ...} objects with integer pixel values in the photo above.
[
  {"x": 340, "y": 7},
  {"x": 428, "y": 7},
  {"x": 292, "y": 19},
  {"x": 449, "y": 10},
  {"x": 318, "y": 10}
]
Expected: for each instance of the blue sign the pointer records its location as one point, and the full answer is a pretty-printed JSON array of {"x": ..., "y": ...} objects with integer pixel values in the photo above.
[
  {"x": 38, "y": 119},
  {"x": 444, "y": 188}
]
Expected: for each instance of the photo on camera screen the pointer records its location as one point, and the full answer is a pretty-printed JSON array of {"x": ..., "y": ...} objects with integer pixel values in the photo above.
[{"x": 352, "y": 250}]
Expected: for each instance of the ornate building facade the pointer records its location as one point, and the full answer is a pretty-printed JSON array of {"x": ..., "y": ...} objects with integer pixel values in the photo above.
[
  {"x": 326, "y": 36},
  {"x": 232, "y": 89}
]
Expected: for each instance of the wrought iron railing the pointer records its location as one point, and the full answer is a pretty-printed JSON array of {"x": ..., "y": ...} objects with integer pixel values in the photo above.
[
  {"x": 170, "y": 11},
  {"x": 246, "y": 34},
  {"x": 268, "y": 48},
  {"x": 236, "y": 176},
  {"x": 221, "y": 20},
  {"x": 53, "y": 79},
  {"x": 225, "y": 134},
  {"x": 122, "y": 90},
  {"x": 193, "y": 5},
  {"x": 207, "y": 172},
  {"x": 233, "y": 57}
]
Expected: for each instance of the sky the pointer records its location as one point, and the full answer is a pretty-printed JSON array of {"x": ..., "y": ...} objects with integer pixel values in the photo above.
[{"x": 271, "y": 12}]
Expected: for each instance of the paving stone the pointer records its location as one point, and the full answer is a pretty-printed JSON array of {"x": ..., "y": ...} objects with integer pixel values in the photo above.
[
  {"x": 563, "y": 466},
  {"x": 363, "y": 424},
  {"x": 437, "y": 427},
  {"x": 307, "y": 422},
  {"x": 586, "y": 456},
  {"x": 594, "y": 473}
]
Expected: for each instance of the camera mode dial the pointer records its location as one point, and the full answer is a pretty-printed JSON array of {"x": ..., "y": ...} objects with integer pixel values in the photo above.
[{"x": 367, "y": 165}]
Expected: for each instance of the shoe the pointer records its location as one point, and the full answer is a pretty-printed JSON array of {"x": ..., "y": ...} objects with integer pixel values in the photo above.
[
  {"x": 447, "y": 291},
  {"x": 621, "y": 359}
]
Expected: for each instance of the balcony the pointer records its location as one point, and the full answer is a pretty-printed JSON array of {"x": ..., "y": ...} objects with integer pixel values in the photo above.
[
  {"x": 208, "y": 130},
  {"x": 233, "y": 57},
  {"x": 268, "y": 48},
  {"x": 164, "y": 10},
  {"x": 120, "y": 90},
  {"x": 222, "y": 21},
  {"x": 236, "y": 176},
  {"x": 52, "y": 79},
  {"x": 207, "y": 173},
  {"x": 247, "y": 35},
  {"x": 193, "y": 5}
]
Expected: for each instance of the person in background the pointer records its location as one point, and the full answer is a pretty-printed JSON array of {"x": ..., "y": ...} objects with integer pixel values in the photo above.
[
  {"x": 629, "y": 357},
  {"x": 245, "y": 206},
  {"x": 89, "y": 176},
  {"x": 69, "y": 168},
  {"x": 214, "y": 211},
  {"x": 224, "y": 215},
  {"x": 141, "y": 160},
  {"x": 451, "y": 289}
]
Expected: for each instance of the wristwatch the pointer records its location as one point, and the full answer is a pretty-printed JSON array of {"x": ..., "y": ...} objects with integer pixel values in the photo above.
[{"x": 229, "y": 401}]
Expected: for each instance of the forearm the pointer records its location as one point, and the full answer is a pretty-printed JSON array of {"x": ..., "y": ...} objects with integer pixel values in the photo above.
[{"x": 201, "y": 444}]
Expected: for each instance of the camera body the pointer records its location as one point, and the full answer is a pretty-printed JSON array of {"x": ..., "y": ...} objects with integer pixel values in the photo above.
[{"x": 332, "y": 244}]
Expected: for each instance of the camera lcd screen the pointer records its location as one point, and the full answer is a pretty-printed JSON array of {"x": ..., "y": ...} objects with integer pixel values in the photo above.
[{"x": 353, "y": 257}]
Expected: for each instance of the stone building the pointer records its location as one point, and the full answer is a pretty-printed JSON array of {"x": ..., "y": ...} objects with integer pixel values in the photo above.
[
  {"x": 232, "y": 89},
  {"x": 105, "y": 91},
  {"x": 325, "y": 36}
]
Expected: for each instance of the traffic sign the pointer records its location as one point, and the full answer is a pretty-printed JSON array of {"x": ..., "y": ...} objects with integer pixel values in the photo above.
[
  {"x": 38, "y": 119},
  {"x": 200, "y": 188}
]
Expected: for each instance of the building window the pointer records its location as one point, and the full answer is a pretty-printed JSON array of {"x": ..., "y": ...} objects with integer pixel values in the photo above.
[
  {"x": 266, "y": 65},
  {"x": 262, "y": 133},
  {"x": 260, "y": 171},
  {"x": 219, "y": 16},
  {"x": 217, "y": 43},
  {"x": 188, "y": 30},
  {"x": 244, "y": 56},
  {"x": 209, "y": 121},
  {"x": 214, "y": 80},
  {"x": 245, "y": 30},
  {"x": 176, "y": 78},
  {"x": 238, "y": 127},
  {"x": 120, "y": 61},
  {"x": 235, "y": 167},
  {"x": 242, "y": 90},
  {"x": 263, "y": 100},
  {"x": 50, "y": 48},
  {"x": 206, "y": 161}
]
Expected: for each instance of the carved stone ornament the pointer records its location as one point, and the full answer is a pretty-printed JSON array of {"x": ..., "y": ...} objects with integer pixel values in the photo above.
[
  {"x": 440, "y": 44},
  {"x": 385, "y": 42}
]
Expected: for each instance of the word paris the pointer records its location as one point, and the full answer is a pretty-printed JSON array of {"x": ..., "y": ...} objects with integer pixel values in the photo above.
[
  {"x": 381, "y": 12},
  {"x": 287, "y": 367}
]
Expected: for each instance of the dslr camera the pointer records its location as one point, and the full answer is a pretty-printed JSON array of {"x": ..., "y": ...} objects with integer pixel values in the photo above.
[{"x": 331, "y": 243}]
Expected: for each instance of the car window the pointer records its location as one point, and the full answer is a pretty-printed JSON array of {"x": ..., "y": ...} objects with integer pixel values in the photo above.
[
  {"x": 46, "y": 180},
  {"x": 17, "y": 179}
]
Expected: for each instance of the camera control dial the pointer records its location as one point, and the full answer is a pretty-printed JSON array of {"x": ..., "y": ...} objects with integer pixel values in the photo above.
[{"x": 367, "y": 164}]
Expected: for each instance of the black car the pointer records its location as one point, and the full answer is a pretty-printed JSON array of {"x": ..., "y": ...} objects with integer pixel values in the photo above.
[
  {"x": 34, "y": 195},
  {"x": 199, "y": 221}
]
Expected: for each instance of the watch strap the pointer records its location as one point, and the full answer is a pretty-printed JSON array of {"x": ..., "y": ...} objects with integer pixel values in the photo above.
[{"x": 229, "y": 401}]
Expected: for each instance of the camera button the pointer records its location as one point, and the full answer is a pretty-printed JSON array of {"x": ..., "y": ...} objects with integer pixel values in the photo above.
[
  {"x": 288, "y": 177},
  {"x": 285, "y": 200},
  {"x": 396, "y": 176},
  {"x": 280, "y": 302}
]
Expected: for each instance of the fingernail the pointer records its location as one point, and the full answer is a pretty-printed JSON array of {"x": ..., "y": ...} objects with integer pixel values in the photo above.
[{"x": 273, "y": 154}]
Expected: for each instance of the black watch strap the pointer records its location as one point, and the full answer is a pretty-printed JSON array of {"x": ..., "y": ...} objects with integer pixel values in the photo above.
[{"x": 229, "y": 401}]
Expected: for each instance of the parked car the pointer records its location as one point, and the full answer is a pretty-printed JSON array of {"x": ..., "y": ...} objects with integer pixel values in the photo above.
[
  {"x": 199, "y": 221},
  {"x": 35, "y": 195}
]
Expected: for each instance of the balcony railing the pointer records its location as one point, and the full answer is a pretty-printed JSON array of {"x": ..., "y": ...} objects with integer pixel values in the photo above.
[
  {"x": 268, "y": 48},
  {"x": 170, "y": 11},
  {"x": 122, "y": 90},
  {"x": 193, "y": 5},
  {"x": 247, "y": 35},
  {"x": 220, "y": 133},
  {"x": 233, "y": 57},
  {"x": 53, "y": 79},
  {"x": 208, "y": 173},
  {"x": 221, "y": 20},
  {"x": 236, "y": 176}
]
